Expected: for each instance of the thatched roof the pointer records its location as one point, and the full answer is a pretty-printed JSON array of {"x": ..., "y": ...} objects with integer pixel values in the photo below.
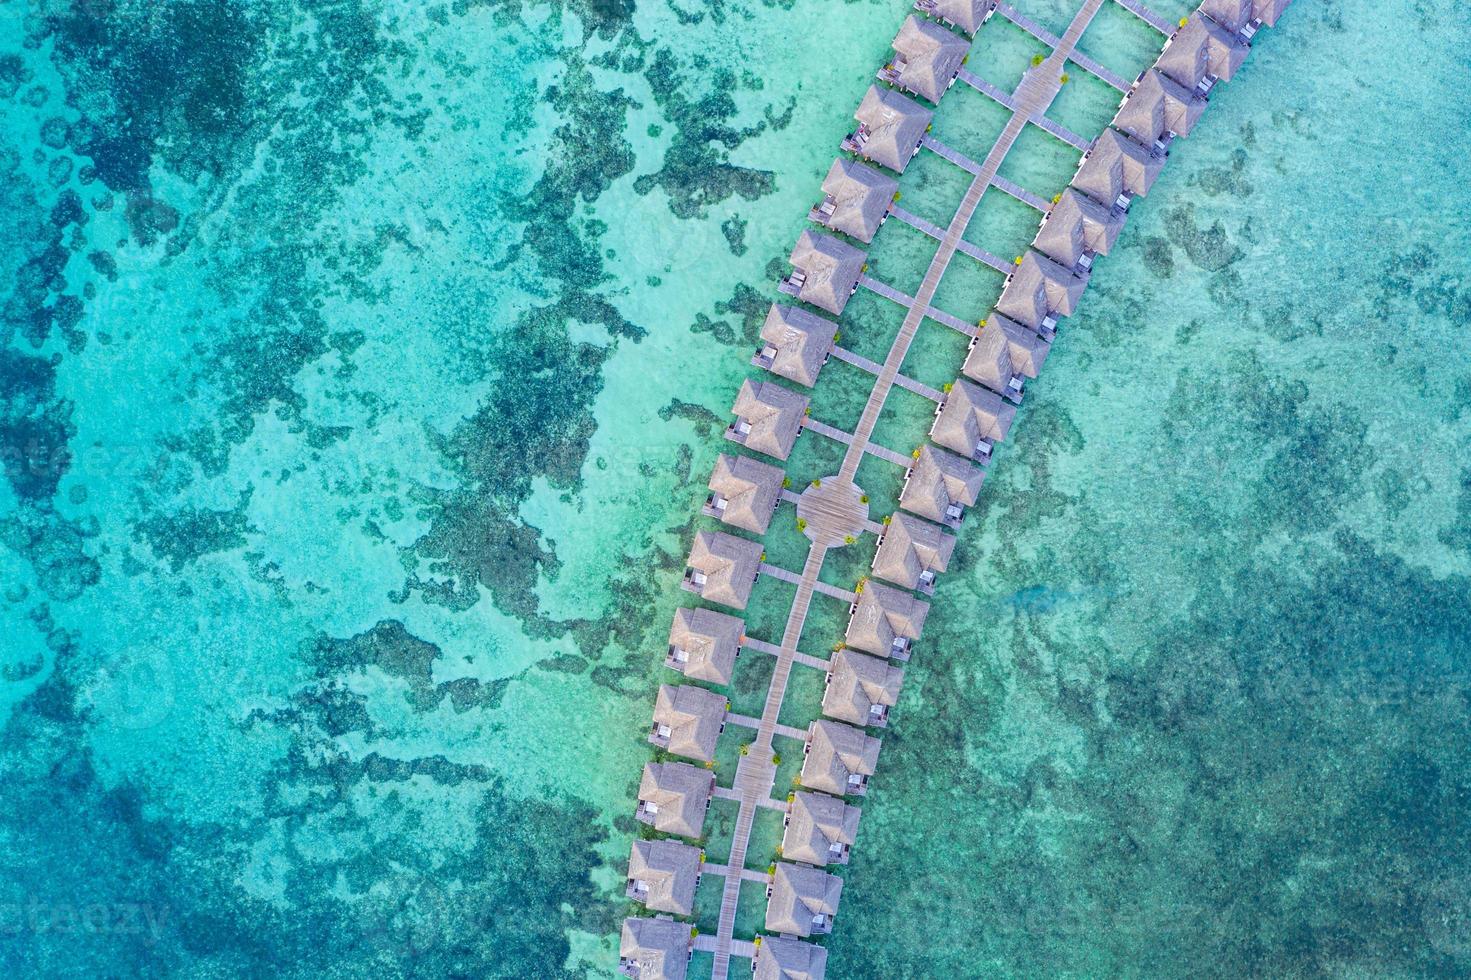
[
  {"x": 662, "y": 874},
  {"x": 688, "y": 721},
  {"x": 988, "y": 361},
  {"x": 894, "y": 126},
  {"x": 771, "y": 415},
  {"x": 1199, "y": 49},
  {"x": 1040, "y": 286},
  {"x": 861, "y": 689},
  {"x": 673, "y": 797},
  {"x": 803, "y": 900},
  {"x": 831, "y": 267},
  {"x": 779, "y": 958},
  {"x": 968, "y": 15},
  {"x": 882, "y": 616},
  {"x": 1077, "y": 224},
  {"x": 703, "y": 644},
  {"x": 937, "y": 480},
  {"x": 819, "y": 830},
  {"x": 859, "y": 197},
  {"x": 728, "y": 564},
  {"x": 744, "y": 491},
  {"x": 1156, "y": 106},
  {"x": 654, "y": 949},
  {"x": 909, "y": 548},
  {"x": 970, "y": 415},
  {"x": 1230, "y": 14},
  {"x": 1117, "y": 164},
  {"x": 927, "y": 56},
  {"x": 1003, "y": 349},
  {"x": 799, "y": 342},
  {"x": 839, "y": 759}
]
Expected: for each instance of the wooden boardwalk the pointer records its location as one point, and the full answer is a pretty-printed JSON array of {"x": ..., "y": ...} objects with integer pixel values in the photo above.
[
  {"x": 936, "y": 232},
  {"x": 834, "y": 512},
  {"x": 1052, "y": 41},
  {"x": 1020, "y": 193},
  {"x": 1035, "y": 93},
  {"x": 874, "y": 367},
  {"x": 1007, "y": 102},
  {"x": 908, "y": 302},
  {"x": 846, "y": 438},
  {"x": 755, "y": 773},
  {"x": 1154, "y": 20}
]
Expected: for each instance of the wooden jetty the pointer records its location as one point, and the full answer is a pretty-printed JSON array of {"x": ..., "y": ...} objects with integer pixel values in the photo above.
[{"x": 913, "y": 546}]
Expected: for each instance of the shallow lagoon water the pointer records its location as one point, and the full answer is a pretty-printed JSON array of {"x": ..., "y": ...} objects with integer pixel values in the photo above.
[{"x": 358, "y": 397}]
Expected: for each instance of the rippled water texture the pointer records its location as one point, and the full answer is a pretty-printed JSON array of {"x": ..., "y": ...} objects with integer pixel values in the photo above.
[{"x": 364, "y": 366}]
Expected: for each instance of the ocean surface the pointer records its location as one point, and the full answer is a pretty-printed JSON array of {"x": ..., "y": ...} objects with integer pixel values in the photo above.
[{"x": 364, "y": 363}]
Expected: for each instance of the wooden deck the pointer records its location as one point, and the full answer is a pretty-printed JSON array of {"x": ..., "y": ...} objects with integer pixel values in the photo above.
[
  {"x": 834, "y": 511},
  {"x": 755, "y": 773}
]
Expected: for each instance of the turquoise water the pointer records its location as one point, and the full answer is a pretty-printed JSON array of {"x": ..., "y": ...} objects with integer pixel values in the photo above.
[{"x": 364, "y": 365}]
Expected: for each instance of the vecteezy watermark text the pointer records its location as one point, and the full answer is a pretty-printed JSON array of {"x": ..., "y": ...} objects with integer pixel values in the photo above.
[{"x": 93, "y": 919}]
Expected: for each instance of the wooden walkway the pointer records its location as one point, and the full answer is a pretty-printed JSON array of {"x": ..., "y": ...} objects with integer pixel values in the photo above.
[
  {"x": 1020, "y": 193},
  {"x": 874, "y": 367},
  {"x": 1052, "y": 41},
  {"x": 755, "y": 773},
  {"x": 1154, "y": 20},
  {"x": 1035, "y": 93},
  {"x": 936, "y": 232},
  {"x": 816, "y": 663},
  {"x": 1007, "y": 102},
  {"x": 833, "y": 505},
  {"x": 846, "y": 438},
  {"x": 792, "y": 578},
  {"x": 971, "y": 167},
  {"x": 908, "y": 302}
]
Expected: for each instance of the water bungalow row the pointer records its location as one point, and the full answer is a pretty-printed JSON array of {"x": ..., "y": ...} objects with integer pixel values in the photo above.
[{"x": 886, "y": 615}]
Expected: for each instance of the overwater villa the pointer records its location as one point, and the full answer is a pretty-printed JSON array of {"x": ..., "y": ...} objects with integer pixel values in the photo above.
[
  {"x": 722, "y": 568},
  {"x": 795, "y": 343},
  {"x": 1117, "y": 169},
  {"x": 768, "y": 418},
  {"x": 655, "y": 949},
  {"x": 1243, "y": 16},
  {"x": 885, "y": 621},
  {"x": 704, "y": 644},
  {"x": 825, "y": 271},
  {"x": 855, "y": 200},
  {"x": 1200, "y": 53},
  {"x": 780, "y": 958},
  {"x": 663, "y": 874},
  {"x": 744, "y": 492},
  {"x": 674, "y": 796},
  {"x": 1002, "y": 353},
  {"x": 1039, "y": 292},
  {"x": 968, "y": 15},
  {"x": 688, "y": 721},
  {"x": 819, "y": 829},
  {"x": 1076, "y": 229},
  {"x": 940, "y": 485},
  {"x": 802, "y": 901},
  {"x": 838, "y": 758},
  {"x": 927, "y": 58},
  {"x": 861, "y": 689},
  {"x": 890, "y": 128},
  {"x": 912, "y": 553},
  {"x": 1158, "y": 109},
  {"x": 971, "y": 420}
]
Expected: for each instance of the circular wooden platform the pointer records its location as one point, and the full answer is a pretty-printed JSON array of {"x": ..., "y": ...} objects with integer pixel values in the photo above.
[{"x": 833, "y": 510}]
